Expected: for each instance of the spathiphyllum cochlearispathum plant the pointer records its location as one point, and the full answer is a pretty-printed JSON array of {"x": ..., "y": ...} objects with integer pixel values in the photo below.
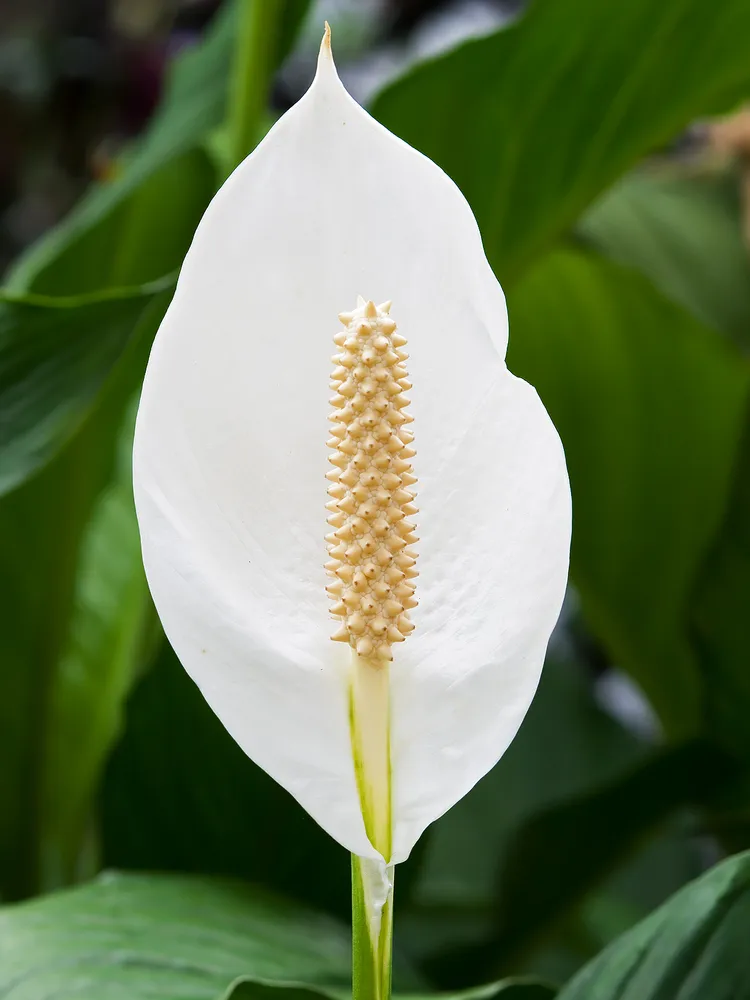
[{"x": 438, "y": 641}]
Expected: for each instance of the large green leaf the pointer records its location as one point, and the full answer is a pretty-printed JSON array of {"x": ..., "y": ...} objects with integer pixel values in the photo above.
[
  {"x": 112, "y": 632},
  {"x": 181, "y": 938},
  {"x": 163, "y": 938},
  {"x": 721, "y": 624},
  {"x": 42, "y": 526},
  {"x": 693, "y": 948},
  {"x": 507, "y": 989},
  {"x": 55, "y": 357},
  {"x": 683, "y": 231},
  {"x": 649, "y": 404},
  {"x": 533, "y": 122},
  {"x": 185, "y": 938}
]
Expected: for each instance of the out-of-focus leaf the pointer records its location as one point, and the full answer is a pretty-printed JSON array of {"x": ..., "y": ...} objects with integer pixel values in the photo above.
[
  {"x": 164, "y": 938},
  {"x": 133, "y": 230},
  {"x": 127, "y": 230},
  {"x": 563, "y": 852},
  {"x": 566, "y": 746},
  {"x": 113, "y": 628},
  {"x": 649, "y": 404},
  {"x": 55, "y": 357},
  {"x": 533, "y": 122},
  {"x": 683, "y": 232},
  {"x": 508, "y": 989},
  {"x": 548, "y": 805},
  {"x": 519, "y": 988},
  {"x": 721, "y": 622},
  {"x": 137, "y": 226},
  {"x": 42, "y": 525},
  {"x": 693, "y": 948}
]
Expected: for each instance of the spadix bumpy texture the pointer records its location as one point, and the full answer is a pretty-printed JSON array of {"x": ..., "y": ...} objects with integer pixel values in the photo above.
[{"x": 371, "y": 559}]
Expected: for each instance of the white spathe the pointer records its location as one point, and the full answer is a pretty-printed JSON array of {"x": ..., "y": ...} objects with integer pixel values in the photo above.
[{"x": 230, "y": 460}]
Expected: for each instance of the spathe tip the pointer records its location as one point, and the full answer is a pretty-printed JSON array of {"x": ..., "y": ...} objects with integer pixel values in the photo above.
[
  {"x": 325, "y": 54},
  {"x": 326, "y": 70}
]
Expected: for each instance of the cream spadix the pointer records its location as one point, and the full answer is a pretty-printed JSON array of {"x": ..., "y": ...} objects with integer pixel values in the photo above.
[
  {"x": 372, "y": 561},
  {"x": 230, "y": 461}
]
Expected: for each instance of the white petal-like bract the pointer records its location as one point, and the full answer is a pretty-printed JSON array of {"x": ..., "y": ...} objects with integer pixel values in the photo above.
[{"x": 230, "y": 457}]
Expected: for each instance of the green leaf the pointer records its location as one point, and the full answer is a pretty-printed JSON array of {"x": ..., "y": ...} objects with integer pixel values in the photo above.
[
  {"x": 518, "y": 988},
  {"x": 682, "y": 231},
  {"x": 509, "y": 989},
  {"x": 561, "y": 853},
  {"x": 649, "y": 404},
  {"x": 694, "y": 947},
  {"x": 164, "y": 937},
  {"x": 55, "y": 357},
  {"x": 186, "y": 938},
  {"x": 533, "y": 129},
  {"x": 564, "y": 724},
  {"x": 509, "y": 861},
  {"x": 721, "y": 626},
  {"x": 112, "y": 632},
  {"x": 42, "y": 527}
]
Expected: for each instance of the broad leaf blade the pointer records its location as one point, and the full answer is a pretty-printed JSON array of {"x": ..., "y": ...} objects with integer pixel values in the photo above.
[
  {"x": 721, "y": 625},
  {"x": 55, "y": 357},
  {"x": 649, "y": 404},
  {"x": 42, "y": 526},
  {"x": 112, "y": 633},
  {"x": 683, "y": 232},
  {"x": 163, "y": 938},
  {"x": 694, "y": 947},
  {"x": 535, "y": 121}
]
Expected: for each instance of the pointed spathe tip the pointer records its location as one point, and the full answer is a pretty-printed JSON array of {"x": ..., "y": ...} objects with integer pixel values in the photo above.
[
  {"x": 326, "y": 66},
  {"x": 325, "y": 56}
]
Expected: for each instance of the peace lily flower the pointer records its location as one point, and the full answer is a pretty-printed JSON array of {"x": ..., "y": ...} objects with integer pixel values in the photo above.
[{"x": 438, "y": 642}]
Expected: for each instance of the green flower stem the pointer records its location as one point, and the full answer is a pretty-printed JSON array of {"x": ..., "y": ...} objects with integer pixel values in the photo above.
[
  {"x": 258, "y": 24},
  {"x": 372, "y": 930},
  {"x": 372, "y": 881}
]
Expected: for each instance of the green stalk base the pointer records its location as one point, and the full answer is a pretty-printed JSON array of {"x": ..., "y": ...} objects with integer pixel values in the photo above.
[{"x": 372, "y": 929}]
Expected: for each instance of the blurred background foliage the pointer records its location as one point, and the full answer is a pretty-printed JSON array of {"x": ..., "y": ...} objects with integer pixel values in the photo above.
[{"x": 604, "y": 150}]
